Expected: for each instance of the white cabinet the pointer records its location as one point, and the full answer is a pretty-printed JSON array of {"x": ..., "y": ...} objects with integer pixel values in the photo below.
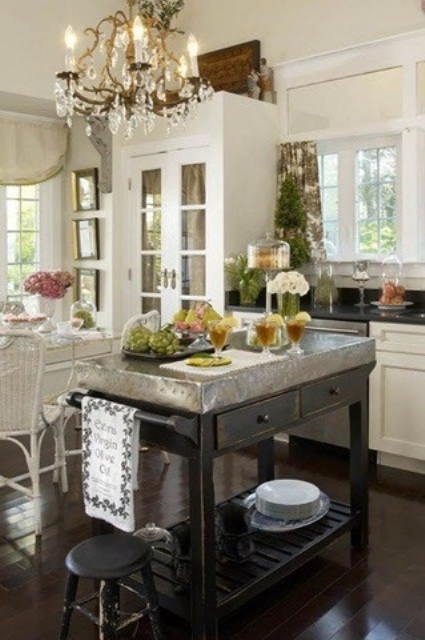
[
  {"x": 397, "y": 391},
  {"x": 197, "y": 199}
]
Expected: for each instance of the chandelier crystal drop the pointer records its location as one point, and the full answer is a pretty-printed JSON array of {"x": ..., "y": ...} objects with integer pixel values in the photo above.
[{"x": 128, "y": 74}]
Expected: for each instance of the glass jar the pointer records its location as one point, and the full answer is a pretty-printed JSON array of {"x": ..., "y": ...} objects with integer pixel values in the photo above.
[
  {"x": 85, "y": 310},
  {"x": 326, "y": 292},
  {"x": 268, "y": 253},
  {"x": 393, "y": 291}
]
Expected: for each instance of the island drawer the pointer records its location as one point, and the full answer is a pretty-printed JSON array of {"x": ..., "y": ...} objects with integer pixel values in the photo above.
[
  {"x": 256, "y": 419},
  {"x": 332, "y": 391}
]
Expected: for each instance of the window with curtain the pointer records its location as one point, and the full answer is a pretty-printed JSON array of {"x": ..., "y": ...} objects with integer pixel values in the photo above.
[
  {"x": 29, "y": 234},
  {"x": 360, "y": 195}
]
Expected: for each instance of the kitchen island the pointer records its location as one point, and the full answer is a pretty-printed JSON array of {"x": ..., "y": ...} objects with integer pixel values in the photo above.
[{"x": 202, "y": 418}]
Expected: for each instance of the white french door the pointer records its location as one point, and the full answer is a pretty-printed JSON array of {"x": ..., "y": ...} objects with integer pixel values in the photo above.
[{"x": 169, "y": 220}]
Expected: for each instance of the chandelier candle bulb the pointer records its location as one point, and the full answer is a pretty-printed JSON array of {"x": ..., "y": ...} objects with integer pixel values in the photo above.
[
  {"x": 193, "y": 49},
  {"x": 70, "y": 42},
  {"x": 138, "y": 37}
]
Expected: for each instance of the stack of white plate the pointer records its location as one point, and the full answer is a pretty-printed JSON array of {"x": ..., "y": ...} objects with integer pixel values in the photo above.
[{"x": 288, "y": 499}]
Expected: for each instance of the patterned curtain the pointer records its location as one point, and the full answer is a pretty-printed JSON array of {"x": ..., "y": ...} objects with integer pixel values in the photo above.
[{"x": 299, "y": 159}]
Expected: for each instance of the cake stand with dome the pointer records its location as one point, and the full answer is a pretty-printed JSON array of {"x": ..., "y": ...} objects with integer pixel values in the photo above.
[{"x": 270, "y": 255}]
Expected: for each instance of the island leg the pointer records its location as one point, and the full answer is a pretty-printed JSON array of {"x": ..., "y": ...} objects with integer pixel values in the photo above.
[
  {"x": 359, "y": 469},
  {"x": 202, "y": 532},
  {"x": 265, "y": 463}
]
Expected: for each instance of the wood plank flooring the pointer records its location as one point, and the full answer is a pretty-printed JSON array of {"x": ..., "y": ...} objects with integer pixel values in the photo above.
[{"x": 378, "y": 594}]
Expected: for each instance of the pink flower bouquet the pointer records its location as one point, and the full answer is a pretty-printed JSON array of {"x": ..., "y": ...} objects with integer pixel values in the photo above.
[{"x": 49, "y": 284}]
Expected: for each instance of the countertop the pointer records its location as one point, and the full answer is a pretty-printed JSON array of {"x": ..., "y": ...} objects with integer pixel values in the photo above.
[{"x": 144, "y": 381}]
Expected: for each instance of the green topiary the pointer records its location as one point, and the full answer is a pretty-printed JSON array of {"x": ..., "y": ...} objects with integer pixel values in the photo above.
[{"x": 291, "y": 221}]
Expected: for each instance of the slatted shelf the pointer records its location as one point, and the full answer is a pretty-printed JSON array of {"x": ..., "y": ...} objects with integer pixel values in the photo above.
[{"x": 276, "y": 555}]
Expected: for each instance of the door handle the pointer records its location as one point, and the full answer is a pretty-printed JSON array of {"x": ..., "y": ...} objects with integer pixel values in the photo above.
[
  {"x": 165, "y": 278},
  {"x": 173, "y": 279}
]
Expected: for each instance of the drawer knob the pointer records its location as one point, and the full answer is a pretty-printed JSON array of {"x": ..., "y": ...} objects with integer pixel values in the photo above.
[
  {"x": 263, "y": 419},
  {"x": 334, "y": 391}
]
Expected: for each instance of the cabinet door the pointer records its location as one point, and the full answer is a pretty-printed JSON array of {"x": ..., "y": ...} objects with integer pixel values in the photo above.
[
  {"x": 397, "y": 405},
  {"x": 170, "y": 220}
]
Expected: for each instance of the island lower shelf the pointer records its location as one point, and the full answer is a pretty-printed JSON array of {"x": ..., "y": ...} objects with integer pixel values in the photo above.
[{"x": 276, "y": 556}]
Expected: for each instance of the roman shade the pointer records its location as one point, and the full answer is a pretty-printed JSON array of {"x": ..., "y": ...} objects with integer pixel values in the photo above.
[{"x": 30, "y": 151}]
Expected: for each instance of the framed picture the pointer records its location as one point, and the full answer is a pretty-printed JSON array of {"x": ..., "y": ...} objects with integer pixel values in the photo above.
[
  {"x": 85, "y": 190},
  {"x": 86, "y": 239},
  {"x": 228, "y": 69},
  {"x": 86, "y": 285}
]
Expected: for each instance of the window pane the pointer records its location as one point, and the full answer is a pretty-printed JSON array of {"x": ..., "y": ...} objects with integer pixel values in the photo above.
[
  {"x": 193, "y": 230},
  {"x": 367, "y": 205},
  {"x": 330, "y": 170},
  {"x": 193, "y": 184},
  {"x": 13, "y": 247},
  {"x": 14, "y": 279},
  {"x": 376, "y": 200},
  {"x": 29, "y": 215},
  {"x": 330, "y": 204},
  {"x": 368, "y": 237},
  {"x": 12, "y": 192},
  {"x": 367, "y": 165},
  {"x": 331, "y": 232},
  {"x": 388, "y": 236},
  {"x": 12, "y": 207},
  {"x": 151, "y": 274},
  {"x": 30, "y": 191},
  {"x": 151, "y": 230},
  {"x": 193, "y": 275},
  {"x": 29, "y": 246},
  {"x": 151, "y": 188},
  {"x": 151, "y": 304}
]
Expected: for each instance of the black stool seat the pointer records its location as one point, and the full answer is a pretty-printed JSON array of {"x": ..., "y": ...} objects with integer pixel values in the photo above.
[
  {"x": 114, "y": 561},
  {"x": 107, "y": 557}
]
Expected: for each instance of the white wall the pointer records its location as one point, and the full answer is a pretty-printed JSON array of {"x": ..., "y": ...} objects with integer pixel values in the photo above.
[{"x": 291, "y": 29}]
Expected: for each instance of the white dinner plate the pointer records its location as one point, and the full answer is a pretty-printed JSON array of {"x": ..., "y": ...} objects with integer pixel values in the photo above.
[
  {"x": 391, "y": 307},
  {"x": 276, "y": 525},
  {"x": 287, "y": 499}
]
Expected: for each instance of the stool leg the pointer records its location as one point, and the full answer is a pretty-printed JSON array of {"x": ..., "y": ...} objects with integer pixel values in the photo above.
[
  {"x": 152, "y": 598},
  {"x": 108, "y": 609},
  {"x": 69, "y": 599}
]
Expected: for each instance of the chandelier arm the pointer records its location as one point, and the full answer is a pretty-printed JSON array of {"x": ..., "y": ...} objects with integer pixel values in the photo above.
[{"x": 115, "y": 21}]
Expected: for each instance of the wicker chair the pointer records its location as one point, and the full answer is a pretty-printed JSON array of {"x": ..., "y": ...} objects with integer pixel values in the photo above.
[{"x": 24, "y": 420}]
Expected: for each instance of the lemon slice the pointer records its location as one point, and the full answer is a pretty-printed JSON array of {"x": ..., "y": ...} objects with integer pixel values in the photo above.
[
  {"x": 205, "y": 361},
  {"x": 276, "y": 318},
  {"x": 303, "y": 316},
  {"x": 229, "y": 321}
]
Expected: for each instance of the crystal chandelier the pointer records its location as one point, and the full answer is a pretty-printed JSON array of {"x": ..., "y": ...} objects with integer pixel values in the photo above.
[{"x": 139, "y": 78}]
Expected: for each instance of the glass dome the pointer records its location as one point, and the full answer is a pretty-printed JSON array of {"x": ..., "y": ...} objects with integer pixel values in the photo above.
[
  {"x": 393, "y": 289},
  {"x": 85, "y": 310},
  {"x": 268, "y": 253}
]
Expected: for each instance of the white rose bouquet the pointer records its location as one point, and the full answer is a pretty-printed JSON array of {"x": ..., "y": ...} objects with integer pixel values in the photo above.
[
  {"x": 289, "y": 282},
  {"x": 288, "y": 287}
]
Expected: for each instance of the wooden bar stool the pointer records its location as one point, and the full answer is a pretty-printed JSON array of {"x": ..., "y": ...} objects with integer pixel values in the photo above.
[{"x": 111, "y": 559}]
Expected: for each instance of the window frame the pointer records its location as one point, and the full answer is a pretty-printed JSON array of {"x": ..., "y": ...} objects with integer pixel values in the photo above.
[
  {"x": 347, "y": 186},
  {"x": 50, "y": 207}
]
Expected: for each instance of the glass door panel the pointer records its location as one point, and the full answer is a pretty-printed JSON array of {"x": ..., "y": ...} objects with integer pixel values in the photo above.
[
  {"x": 150, "y": 240},
  {"x": 193, "y": 276},
  {"x": 193, "y": 230}
]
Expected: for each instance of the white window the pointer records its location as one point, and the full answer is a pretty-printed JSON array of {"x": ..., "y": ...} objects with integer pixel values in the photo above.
[
  {"x": 29, "y": 233},
  {"x": 360, "y": 192}
]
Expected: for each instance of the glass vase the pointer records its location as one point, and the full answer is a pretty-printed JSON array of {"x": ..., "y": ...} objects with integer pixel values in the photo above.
[
  {"x": 288, "y": 304},
  {"x": 246, "y": 296}
]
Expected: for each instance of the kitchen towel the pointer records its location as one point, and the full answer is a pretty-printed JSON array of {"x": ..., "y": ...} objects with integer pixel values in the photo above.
[{"x": 110, "y": 456}]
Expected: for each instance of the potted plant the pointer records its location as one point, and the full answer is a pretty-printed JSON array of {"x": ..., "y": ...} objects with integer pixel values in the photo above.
[
  {"x": 291, "y": 221},
  {"x": 240, "y": 277}
]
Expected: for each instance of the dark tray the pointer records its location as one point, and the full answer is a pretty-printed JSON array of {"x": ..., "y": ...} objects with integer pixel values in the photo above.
[{"x": 184, "y": 353}]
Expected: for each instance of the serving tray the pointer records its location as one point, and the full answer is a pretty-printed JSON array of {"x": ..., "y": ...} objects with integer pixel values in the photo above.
[{"x": 185, "y": 352}]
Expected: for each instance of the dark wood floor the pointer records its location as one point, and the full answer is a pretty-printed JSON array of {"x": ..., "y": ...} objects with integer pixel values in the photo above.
[{"x": 378, "y": 594}]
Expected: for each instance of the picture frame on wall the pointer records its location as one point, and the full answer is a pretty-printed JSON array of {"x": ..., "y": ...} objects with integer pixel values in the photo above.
[
  {"x": 85, "y": 190},
  {"x": 86, "y": 239},
  {"x": 86, "y": 285}
]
